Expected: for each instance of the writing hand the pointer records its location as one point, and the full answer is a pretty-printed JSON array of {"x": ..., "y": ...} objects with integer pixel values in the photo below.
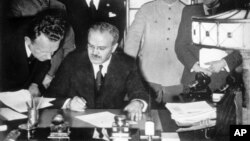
[
  {"x": 134, "y": 109},
  {"x": 77, "y": 104}
]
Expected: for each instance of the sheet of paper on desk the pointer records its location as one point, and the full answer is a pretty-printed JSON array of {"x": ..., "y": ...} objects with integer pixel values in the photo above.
[
  {"x": 17, "y": 100},
  {"x": 102, "y": 119},
  {"x": 170, "y": 136},
  {"x": 10, "y": 115}
]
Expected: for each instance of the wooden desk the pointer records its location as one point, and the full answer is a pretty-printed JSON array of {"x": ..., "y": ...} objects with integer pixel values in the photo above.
[
  {"x": 162, "y": 119},
  {"x": 47, "y": 114}
]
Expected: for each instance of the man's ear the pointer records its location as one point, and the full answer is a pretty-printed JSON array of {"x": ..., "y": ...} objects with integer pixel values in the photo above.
[
  {"x": 27, "y": 41},
  {"x": 114, "y": 47}
]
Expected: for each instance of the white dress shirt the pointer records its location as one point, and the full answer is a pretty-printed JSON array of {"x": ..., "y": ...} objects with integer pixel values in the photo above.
[
  {"x": 96, "y": 3},
  {"x": 104, "y": 67}
]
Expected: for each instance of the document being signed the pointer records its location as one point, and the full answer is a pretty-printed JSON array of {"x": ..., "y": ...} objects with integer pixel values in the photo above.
[{"x": 101, "y": 119}]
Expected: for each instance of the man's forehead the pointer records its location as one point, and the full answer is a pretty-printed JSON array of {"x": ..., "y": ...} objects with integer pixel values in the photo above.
[
  {"x": 101, "y": 37},
  {"x": 100, "y": 33},
  {"x": 44, "y": 43}
]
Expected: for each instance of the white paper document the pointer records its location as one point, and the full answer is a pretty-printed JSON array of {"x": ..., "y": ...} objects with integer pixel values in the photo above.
[
  {"x": 102, "y": 119},
  {"x": 17, "y": 100},
  {"x": 170, "y": 136},
  {"x": 10, "y": 115}
]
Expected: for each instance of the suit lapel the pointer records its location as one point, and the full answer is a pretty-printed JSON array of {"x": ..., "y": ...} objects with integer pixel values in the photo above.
[
  {"x": 111, "y": 76},
  {"x": 85, "y": 79},
  {"x": 86, "y": 71},
  {"x": 101, "y": 4},
  {"x": 84, "y": 3}
]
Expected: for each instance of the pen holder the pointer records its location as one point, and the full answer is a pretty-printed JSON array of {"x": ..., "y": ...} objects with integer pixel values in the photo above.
[
  {"x": 31, "y": 124},
  {"x": 33, "y": 116}
]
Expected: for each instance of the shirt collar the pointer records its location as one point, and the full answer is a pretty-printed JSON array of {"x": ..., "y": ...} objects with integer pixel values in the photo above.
[
  {"x": 96, "y": 3},
  {"x": 104, "y": 68},
  {"x": 28, "y": 51}
]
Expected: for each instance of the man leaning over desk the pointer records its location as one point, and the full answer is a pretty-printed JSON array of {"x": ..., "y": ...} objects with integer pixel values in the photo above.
[{"x": 78, "y": 84}]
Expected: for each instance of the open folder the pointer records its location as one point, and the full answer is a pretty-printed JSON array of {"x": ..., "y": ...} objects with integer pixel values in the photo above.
[{"x": 17, "y": 100}]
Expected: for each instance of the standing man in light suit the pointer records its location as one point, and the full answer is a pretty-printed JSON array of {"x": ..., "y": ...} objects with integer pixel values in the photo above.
[
  {"x": 151, "y": 39},
  {"x": 76, "y": 84}
]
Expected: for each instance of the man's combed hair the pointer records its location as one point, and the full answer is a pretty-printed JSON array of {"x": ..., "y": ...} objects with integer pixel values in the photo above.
[
  {"x": 51, "y": 23},
  {"x": 106, "y": 27}
]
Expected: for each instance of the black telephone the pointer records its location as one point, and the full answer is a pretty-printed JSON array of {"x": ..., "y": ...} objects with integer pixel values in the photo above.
[{"x": 198, "y": 90}]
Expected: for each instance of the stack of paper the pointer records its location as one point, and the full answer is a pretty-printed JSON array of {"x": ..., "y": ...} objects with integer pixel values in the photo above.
[{"x": 190, "y": 114}]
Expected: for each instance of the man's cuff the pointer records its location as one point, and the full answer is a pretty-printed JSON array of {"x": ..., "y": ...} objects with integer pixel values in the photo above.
[
  {"x": 66, "y": 103},
  {"x": 144, "y": 104}
]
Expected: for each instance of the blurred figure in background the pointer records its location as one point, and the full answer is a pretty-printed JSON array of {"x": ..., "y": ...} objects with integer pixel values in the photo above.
[
  {"x": 188, "y": 53},
  {"x": 83, "y": 13}
]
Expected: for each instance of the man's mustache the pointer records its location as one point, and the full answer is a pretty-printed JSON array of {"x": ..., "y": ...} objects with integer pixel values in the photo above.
[{"x": 95, "y": 56}]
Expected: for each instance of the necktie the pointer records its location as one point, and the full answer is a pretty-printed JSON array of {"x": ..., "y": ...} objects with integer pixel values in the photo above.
[
  {"x": 99, "y": 130},
  {"x": 99, "y": 79},
  {"x": 92, "y": 9}
]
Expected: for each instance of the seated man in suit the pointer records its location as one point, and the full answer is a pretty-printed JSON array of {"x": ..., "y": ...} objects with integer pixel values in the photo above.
[
  {"x": 100, "y": 77},
  {"x": 26, "y": 56}
]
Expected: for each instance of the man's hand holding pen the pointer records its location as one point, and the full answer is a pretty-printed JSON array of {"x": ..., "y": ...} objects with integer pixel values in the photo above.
[
  {"x": 77, "y": 104},
  {"x": 134, "y": 109}
]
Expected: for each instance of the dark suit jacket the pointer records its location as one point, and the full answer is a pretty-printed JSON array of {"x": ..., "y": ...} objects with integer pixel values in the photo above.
[
  {"x": 188, "y": 53},
  {"x": 17, "y": 73},
  {"x": 75, "y": 77},
  {"x": 80, "y": 17}
]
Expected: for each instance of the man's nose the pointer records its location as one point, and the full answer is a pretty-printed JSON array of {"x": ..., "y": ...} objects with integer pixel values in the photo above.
[{"x": 95, "y": 50}]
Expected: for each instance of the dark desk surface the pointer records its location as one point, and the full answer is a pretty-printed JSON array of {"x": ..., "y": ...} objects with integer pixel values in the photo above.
[
  {"x": 47, "y": 115},
  {"x": 161, "y": 118}
]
